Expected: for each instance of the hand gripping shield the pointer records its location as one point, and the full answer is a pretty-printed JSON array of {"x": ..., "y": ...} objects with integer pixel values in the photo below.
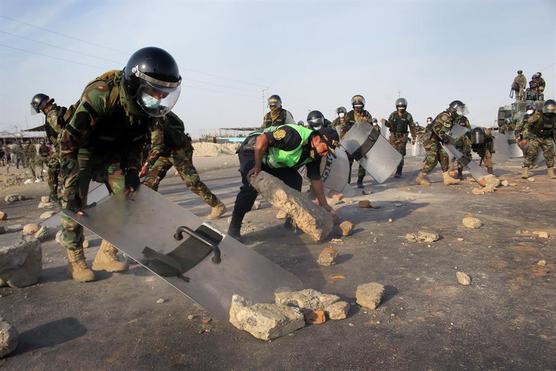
[
  {"x": 195, "y": 258},
  {"x": 365, "y": 144}
]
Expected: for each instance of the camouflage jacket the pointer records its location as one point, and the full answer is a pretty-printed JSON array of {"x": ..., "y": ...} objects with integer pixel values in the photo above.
[
  {"x": 520, "y": 81},
  {"x": 441, "y": 125},
  {"x": 538, "y": 125},
  {"x": 352, "y": 117},
  {"x": 55, "y": 120},
  {"x": 400, "y": 124},
  {"x": 341, "y": 125},
  {"x": 284, "y": 117},
  {"x": 168, "y": 133},
  {"x": 107, "y": 126},
  {"x": 30, "y": 151}
]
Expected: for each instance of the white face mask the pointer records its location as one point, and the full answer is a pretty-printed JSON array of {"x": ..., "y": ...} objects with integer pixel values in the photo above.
[
  {"x": 341, "y": 114},
  {"x": 149, "y": 101},
  {"x": 429, "y": 121},
  {"x": 530, "y": 111}
]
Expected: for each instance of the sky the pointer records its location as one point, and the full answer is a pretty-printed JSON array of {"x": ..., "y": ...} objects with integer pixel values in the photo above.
[{"x": 315, "y": 54}]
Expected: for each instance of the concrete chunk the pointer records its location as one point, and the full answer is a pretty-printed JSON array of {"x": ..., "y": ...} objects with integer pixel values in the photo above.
[
  {"x": 463, "y": 278},
  {"x": 265, "y": 321},
  {"x": 310, "y": 218},
  {"x": 338, "y": 310},
  {"x": 369, "y": 295},
  {"x": 20, "y": 262},
  {"x": 472, "y": 222},
  {"x": 327, "y": 256},
  {"x": 305, "y": 299},
  {"x": 8, "y": 338}
]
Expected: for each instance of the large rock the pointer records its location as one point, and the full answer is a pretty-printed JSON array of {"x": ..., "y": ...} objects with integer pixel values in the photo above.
[
  {"x": 369, "y": 295},
  {"x": 265, "y": 321},
  {"x": 337, "y": 310},
  {"x": 463, "y": 278},
  {"x": 310, "y": 218},
  {"x": 8, "y": 338},
  {"x": 305, "y": 299},
  {"x": 472, "y": 222},
  {"x": 20, "y": 261}
]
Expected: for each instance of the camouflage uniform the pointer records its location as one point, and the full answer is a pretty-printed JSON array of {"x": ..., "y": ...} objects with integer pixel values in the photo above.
[
  {"x": 42, "y": 158},
  {"x": 101, "y": 142},
  {"x": 171, "y": 146},
  {"x": 434, "y": 132},
  {"x": 519, "y": 85},
  {"x": 353, "y": 117},
  {"x": 277, "y": 117},
  {"x": 399, "y": 123},
  {"x": 463, "y": 144},
  {"x": 31, "y": 158},
  {"x": 539, "y": 131},
  {"x": 341, "y": 125}
]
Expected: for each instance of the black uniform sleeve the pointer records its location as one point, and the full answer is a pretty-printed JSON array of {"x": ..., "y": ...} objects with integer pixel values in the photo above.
[
  {"x": 283, "y": 137},
  {"x": 313, "y": 169}
]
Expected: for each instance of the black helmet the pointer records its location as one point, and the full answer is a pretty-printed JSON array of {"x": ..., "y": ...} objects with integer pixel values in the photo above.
[
  {"x": 401, "y": 102},
  {"x": 315, "y": 119},
  {"x": 519, "y": 72},
  {"x": 536, "y": 75},
  {"x": 341, "y": 110},
  {"x": 40, "y": 101},
  {"x": 549, "y": 106},
  {"x": 539, "y": 74},
  {"x": 458, "y": 107},
  {"x": 330, "y": 137},
  {"x": 358, "y": 100},
  {"x": 274, "y": 101},
  {"x": 152, "y": 79}
]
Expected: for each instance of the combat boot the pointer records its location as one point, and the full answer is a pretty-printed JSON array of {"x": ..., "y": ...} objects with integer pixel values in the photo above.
[
  {"x": 360, "y": 182},
  {"x": 551, "y": 174},
  {"x": 77, "y": 266},
  {"x": 422, "y": 179},
  {"x": 107, "y": 259},
  {"x": 448, "y": 180},
  {"x": 217, "y": 211},
  {"x": 525, "y": 173}
]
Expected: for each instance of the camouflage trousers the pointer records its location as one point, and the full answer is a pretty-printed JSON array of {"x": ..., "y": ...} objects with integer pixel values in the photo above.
[
  {"x": 487, "y": 160},
  {"x": 72, "y": 232},
  {"x": 434, "y": 154},
  {"x": 534, "y": 145},
  {"x": 40, "y": 162},
  {"x": 53, "y": 165},
  {"x": 182, "y": 160},
  {"x": 464, "y": 146},
  {"x": 399, "y": 142}
]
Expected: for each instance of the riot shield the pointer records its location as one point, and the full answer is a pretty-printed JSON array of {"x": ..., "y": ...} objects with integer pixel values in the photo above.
[
  {"x": 195, "y": 258},
  {"x": 502, "y": 151},
  {"x": 476, "y": 171},
  {"x": 335, "y": 172},
  {"x": 457, "y": 131},
  {"x": 365, "y": 144}
]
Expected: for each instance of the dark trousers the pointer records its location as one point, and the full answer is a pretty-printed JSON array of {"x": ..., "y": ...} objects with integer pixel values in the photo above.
[{"x": 247, "y": 194}]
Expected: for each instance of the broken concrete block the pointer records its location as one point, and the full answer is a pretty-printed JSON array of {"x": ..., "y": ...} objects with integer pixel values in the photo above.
[
  {"x": 338, "y": 310},
  {"x": 463, "y": 278},
  {"x": 346, "y": 227},
  {"x": 8, "y": 338},
  {"x": 314, "y": 317},
  {"x": 46, "y": 215},
  {"x": 265, "y": 321},
  {"x": 505, "y": 183},
  {"x": 472, "y": 222},
  {"x": 305, "y": 299},
  {"x": 29, "y": 229},
  {"x": 541, "y": 234},
  {"x": 422, "y": 236},
  {"x": 489, "y": 181},
  {"x": 3, "y": 215},
  {"x": 310, "y": 218},
  {"x": 541, "y": 263},
  {"x": 20, "y": 261},
  {"x": 327, "y": 256},
  {"x": 369, "y": 295}
]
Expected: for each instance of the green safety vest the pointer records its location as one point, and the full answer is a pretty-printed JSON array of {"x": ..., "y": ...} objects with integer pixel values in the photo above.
[{"x": 278, "y": 158}]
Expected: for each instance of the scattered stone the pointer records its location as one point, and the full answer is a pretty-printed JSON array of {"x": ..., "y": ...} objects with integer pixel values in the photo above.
[
  {"x": 45, "y": 199},
  {"x": 47, "y": 214},
  {"x": 30, "y": 229},
  {"x": 505, "y": 183},
  {"x": 257, "y": 205},
  {"x": 265, "y": 321},
  {"x": 364, "y": 204},
  {"x": 310, "y": 218},
  {"x": 305, "y": 299},
  {"x": 463, "y": 278},
  {"x": 58, "y": 237},
  {"x": 20, "y": 261},
  {"x": 369, "y": 295},
  {"x": 327, "y": 256},
  {"x": 3, "y": 215},
  {"x": 541, "y": 234},
  {"x": 314, "y": 317},
  {"x": 478, "y": 191},
  {"x": 489, "y": 181},
  {"x": 390, "y": 220},
  {"x": 336, "y": 240},
  {"x": 46, "y": 205},
  {"x": 531, "y": 179},
  {"x": 191, "y": 317},
  {"x": 460, "y": 239},
  {"x": 472, "y": 222},
  {"x": 14, "y": 228},
  {"x": 14, "y": 198},
  {"x": 541, "y": 263},
  {"x": 422, "y": 236},
  {"x": 160, "y": 301},
  {"x": 8, "y": 338},
  {"x": 338, "y": 310},
  {"x": 346, "y": 227}
]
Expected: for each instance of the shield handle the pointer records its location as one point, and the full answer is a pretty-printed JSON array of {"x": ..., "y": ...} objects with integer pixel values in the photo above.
[{"x": 216, "y": 258}]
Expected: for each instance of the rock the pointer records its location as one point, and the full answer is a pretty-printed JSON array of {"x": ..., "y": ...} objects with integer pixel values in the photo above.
[
  {"x": 364, "y": 204},
  {"x": 489, "y": 181},
  {"x": 472, "y": 222},
  {"x": 422, "y": 236},
  {"x": 46, "y": 205},
  {"x": 463, "y": 278},
  {"x": 305, "y": 299},
  {"x": 13, "y": 198},
  {"x": 30, "y": 229},
  {"x": 346, "y": 227},
  {"x": 531, "y": 179},
  {"x": 3, "y": 215},
  {"x": 338, "y": 310},
  {"x": 505, "y": 183},
  {"x": 58, "y": 237},
  {"x": 21, "y": 261},
  {"x": 478, "y": 191},
  {"x": 369, "y": 295},
  {"x": 541, "y": 263},
  {"x": 310, "y": 218},
  {"x": 314, "y": 317},
  {"x": 14, "y": 228},
  {"x": 86, "y": 244},
  {"x": 256, "y": 205},
  {"x": 8, "y": 338},
  {"x": 45, "y": 199},
  {"x": 42, "y": 234},
  {"x": 265, "y": 321},
  {"x": 160, "y": 301},
  {"x": 541, "y": 234},
  {"x": 327, "y": 256},
  {"x": 191, "y": 317},
  {"x": 47, "y": 214},
  {"x": 411, "y": 237}
]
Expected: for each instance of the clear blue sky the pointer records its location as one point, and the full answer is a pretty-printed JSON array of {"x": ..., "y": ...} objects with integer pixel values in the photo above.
[{"x": 314, "y": 54}]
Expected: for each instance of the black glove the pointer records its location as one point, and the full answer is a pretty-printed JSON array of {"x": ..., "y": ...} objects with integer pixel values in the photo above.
[{"x": 132, "y": 180}]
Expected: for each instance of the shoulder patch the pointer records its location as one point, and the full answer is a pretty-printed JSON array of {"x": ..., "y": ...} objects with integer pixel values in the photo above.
[{"x": 279, "y": 134}]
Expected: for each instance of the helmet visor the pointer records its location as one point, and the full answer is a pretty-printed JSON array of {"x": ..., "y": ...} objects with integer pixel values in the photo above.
[
  {"x": 550, "y": 108},
  {"x": 34, "y": 110},
  {"x": 157, "y": 100},
  {"x": 462, "y": 110}
]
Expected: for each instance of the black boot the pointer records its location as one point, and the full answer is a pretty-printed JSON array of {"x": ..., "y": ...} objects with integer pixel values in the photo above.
[
  {"x": 234, "y": 230},
  {"x": 460, "y": 173},
  {"x": 399, "y": 170},
  {"x": 360, "y": 182}
]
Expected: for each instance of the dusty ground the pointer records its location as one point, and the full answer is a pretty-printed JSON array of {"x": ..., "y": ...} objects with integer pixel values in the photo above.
[{"x": 506, "y": 319}]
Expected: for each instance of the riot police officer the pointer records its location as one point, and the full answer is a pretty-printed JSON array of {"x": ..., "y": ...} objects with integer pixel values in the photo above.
[
  {"x": 277, "y": 115},
  {"x": 359, "y": 114},
  {"x": 400, "y": 122}
]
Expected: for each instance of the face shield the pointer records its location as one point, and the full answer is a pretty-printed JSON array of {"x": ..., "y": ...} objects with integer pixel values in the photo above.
[
  {"x": 462, "y": 110},
  {"x": 34, "y": 110},
  {"x": 549, "y": 108},
  {"x": 316, "y": 123},
  {"x": 156, "y": 97},
  {"x": 401, "y": 108},
  {"x": 341, "y": 114}
]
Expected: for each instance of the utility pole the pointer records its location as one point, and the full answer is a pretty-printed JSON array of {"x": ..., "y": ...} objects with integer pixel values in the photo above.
[{"x": 263, "y": 100}]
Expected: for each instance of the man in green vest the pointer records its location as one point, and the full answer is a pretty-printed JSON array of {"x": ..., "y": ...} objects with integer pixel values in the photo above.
[{"x": 281, "y": 151}]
